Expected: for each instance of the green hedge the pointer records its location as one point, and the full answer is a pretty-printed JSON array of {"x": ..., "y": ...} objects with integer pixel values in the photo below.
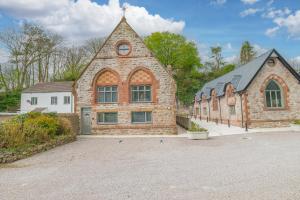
[{"x": 31, "y": 129}]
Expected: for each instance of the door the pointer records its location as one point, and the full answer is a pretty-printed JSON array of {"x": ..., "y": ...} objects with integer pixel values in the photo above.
[{"x": 86, "y": 122}]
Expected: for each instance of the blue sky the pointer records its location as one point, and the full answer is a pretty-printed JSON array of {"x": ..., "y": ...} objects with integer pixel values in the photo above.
[{"x": 265, "y": 23}]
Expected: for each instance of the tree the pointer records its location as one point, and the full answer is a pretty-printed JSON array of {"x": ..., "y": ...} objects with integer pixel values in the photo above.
[
  {"x": 247, "y": 53},
  {"x": 216, "y": 55},
  {"x": 182, "y": 55},
  {"x": 93, "y": 45}
]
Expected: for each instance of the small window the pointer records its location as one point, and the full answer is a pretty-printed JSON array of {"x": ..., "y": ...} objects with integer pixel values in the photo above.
[
  {"x": 271, "y": 62},
  {"x": 123, "y": 49},
  {"x": 67, "y": 99},
  {"x": 204, "y": 111},
  {"x": 34, "y": 101},
  {"x": 53, "y": 100},
  {"x": 107, "y": 94},
  {"x": 141, "y": 93},
  {"x": 232, "y": 110},
  {"x": 107, "y": 118},
  {"x": 141, "y": 117}
]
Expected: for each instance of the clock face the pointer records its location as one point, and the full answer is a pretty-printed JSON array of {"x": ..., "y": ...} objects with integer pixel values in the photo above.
[
  {"x": 123, "y": 49},
  {"x": 271, "y": 62}
]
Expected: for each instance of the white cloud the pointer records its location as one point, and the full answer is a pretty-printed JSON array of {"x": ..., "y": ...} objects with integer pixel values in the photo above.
[
  {"x": 228, "y": 46},
  {"x": 272, "y": 31},
  {"x": 218, "y": 2},
  {"x": 291, "y": 23},
  {"x": 4, "y": 56},
  {"x": 250, "y": 11},
  {"x": 232, "y": 59},
  {"x": 259, "y": 50},
  {"x": 82, "y": 19},
  {"x": 272, "y": 13},
  {"x": 270, "y": 2},
  {"x": 250, "y": 1}
]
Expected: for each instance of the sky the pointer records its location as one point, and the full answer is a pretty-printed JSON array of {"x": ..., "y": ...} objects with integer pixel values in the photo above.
[{"x": 266, "y": 24}]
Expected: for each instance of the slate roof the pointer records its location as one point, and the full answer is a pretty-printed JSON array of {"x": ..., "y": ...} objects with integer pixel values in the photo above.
[
  {"x": 242, "y": 76},
  {"x": 65, "y": 86}
]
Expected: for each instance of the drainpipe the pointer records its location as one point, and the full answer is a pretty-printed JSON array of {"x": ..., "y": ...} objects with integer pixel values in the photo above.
[
  {"x": 220, "y": 109},
  {"x": 208, "y": 110},
  {"x": 200, "y": 109},
  {"x": 242, "y": 113}
]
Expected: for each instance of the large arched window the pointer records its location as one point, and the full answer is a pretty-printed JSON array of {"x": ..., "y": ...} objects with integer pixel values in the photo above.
[
  {"x": 106, "y": 86},
  {"x": 273, "y": 95},
  {"x": 141, "y": 86}
]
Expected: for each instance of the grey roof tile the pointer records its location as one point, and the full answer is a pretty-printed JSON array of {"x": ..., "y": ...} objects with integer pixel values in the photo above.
[{"x": 65, "y": 86}]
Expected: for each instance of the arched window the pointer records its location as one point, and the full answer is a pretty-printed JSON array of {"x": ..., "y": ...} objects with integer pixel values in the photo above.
[
  {"x": 141, "y": 86},
  {"x": 273, "y": 95}
]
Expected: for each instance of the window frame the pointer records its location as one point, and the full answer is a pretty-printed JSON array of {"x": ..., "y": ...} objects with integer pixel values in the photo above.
[
  {"x": 120, "y": 43},
  {"x": 104, "y": 122},
  {"x": 34, "y": 103},
  {"x": 232, "y": 110},
  {"x": 67, "y": 102},
  {"x": 146, "y": 121},
  {"x": 105, "y": 91},
  {"x": 140, "y": 91},
  {"x": 56, "y": 100},
  {"x": 270, "y": 92}
]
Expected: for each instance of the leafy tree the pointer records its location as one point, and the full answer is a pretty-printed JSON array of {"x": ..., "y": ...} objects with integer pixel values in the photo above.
[
  {"x": 247, "y": 53},
  {"x": 216, "y": 55},
  {"x": 10, "y": 101},
  {"x": 182, "y": 55}
]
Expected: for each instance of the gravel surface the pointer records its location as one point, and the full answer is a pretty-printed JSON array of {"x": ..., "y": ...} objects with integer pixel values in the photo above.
[{"x": 265, "y": 166}]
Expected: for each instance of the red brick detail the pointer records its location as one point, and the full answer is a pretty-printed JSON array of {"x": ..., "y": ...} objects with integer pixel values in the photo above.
[
  {"x": 120, "y": 43},
  {"x": 231, "y": 100},
  {"x": 285, "y": 91},
  {"x": 142, "y": 76},
  {"x": 106, "y": 77},
  {"x": 214, "y": 100}
]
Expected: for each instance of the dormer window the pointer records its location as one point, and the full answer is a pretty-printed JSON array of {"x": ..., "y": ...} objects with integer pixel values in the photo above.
[{"x": 123, "y": 49}]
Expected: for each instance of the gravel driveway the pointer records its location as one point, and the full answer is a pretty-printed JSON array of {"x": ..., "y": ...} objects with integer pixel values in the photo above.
[{"x": 266, "y": 166}]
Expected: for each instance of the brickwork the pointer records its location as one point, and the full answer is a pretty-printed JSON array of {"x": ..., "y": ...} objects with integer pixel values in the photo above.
[
  {"x": 250, "y": 105},
  {"x": 138, "y": 67},
  {"x": 259, "y": 114}
]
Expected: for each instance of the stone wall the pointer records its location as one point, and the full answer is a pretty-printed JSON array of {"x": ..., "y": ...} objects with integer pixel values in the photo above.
[
  {"x": 74, "y": 120},
  {"x": 6, "y": 116},
  {"x": 259, "y": 115},
  {"x": 184, "y": 121},
  {"x": 163, "y": 87}
]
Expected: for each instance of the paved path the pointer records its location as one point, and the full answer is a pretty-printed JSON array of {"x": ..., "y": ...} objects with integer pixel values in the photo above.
[
  {"x": 265, "y": 166},
  {"x": 223, "y": 129}
]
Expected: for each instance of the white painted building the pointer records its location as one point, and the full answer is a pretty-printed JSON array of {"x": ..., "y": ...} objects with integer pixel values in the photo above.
[{"x": 48, "y": 97}]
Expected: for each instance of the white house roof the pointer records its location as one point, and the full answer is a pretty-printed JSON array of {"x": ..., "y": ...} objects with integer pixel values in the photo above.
[{"x": 65, "y": 86}]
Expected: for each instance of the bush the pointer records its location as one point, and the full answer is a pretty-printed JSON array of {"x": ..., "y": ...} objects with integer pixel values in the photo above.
[
  {"x": 32, "y": 128},
  {"x": 196, "y": 128},
  {"x": 11, "y": 134},
  {"x": 41, "y": 128}
]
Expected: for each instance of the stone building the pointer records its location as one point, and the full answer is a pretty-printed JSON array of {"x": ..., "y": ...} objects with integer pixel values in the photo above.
[
  {"x": 125, "y": 89},
  {"x": 261, "y": 93}
]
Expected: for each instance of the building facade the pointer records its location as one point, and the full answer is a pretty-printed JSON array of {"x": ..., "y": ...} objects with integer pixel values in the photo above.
[
  {"x": 125, "y": 89},
  {"x": 262, "y": 93},
  {"x": 48, "y": 97}
]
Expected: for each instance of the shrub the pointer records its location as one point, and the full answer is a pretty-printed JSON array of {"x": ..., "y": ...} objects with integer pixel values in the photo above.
[
  {"x": 32, "y": 128},
  {"x": 11, "y": 134},
  {"x": 196, "y": 128},
  {"x": 297, "y": 122},
  {"x": 65, "y": 127},
  {"x": 40, "y": 128}
]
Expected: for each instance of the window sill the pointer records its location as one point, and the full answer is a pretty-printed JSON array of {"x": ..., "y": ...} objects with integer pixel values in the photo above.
[
  {"x": 136, "y": 123},
  {"x": 275, "y": 109},
  {"x": 112, "y": 123}
]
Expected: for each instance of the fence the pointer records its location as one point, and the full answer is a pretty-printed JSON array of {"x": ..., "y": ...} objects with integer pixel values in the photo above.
[{"x": 183, "y": 121}]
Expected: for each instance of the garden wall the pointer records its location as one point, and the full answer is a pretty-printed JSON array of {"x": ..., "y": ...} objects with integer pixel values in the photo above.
[
  {"x": 74, "y": 119},
  {"x": 183, "y": 121}
]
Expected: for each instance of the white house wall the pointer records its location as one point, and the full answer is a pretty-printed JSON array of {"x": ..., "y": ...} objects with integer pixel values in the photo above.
[{"x": 44, "y": 101}]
